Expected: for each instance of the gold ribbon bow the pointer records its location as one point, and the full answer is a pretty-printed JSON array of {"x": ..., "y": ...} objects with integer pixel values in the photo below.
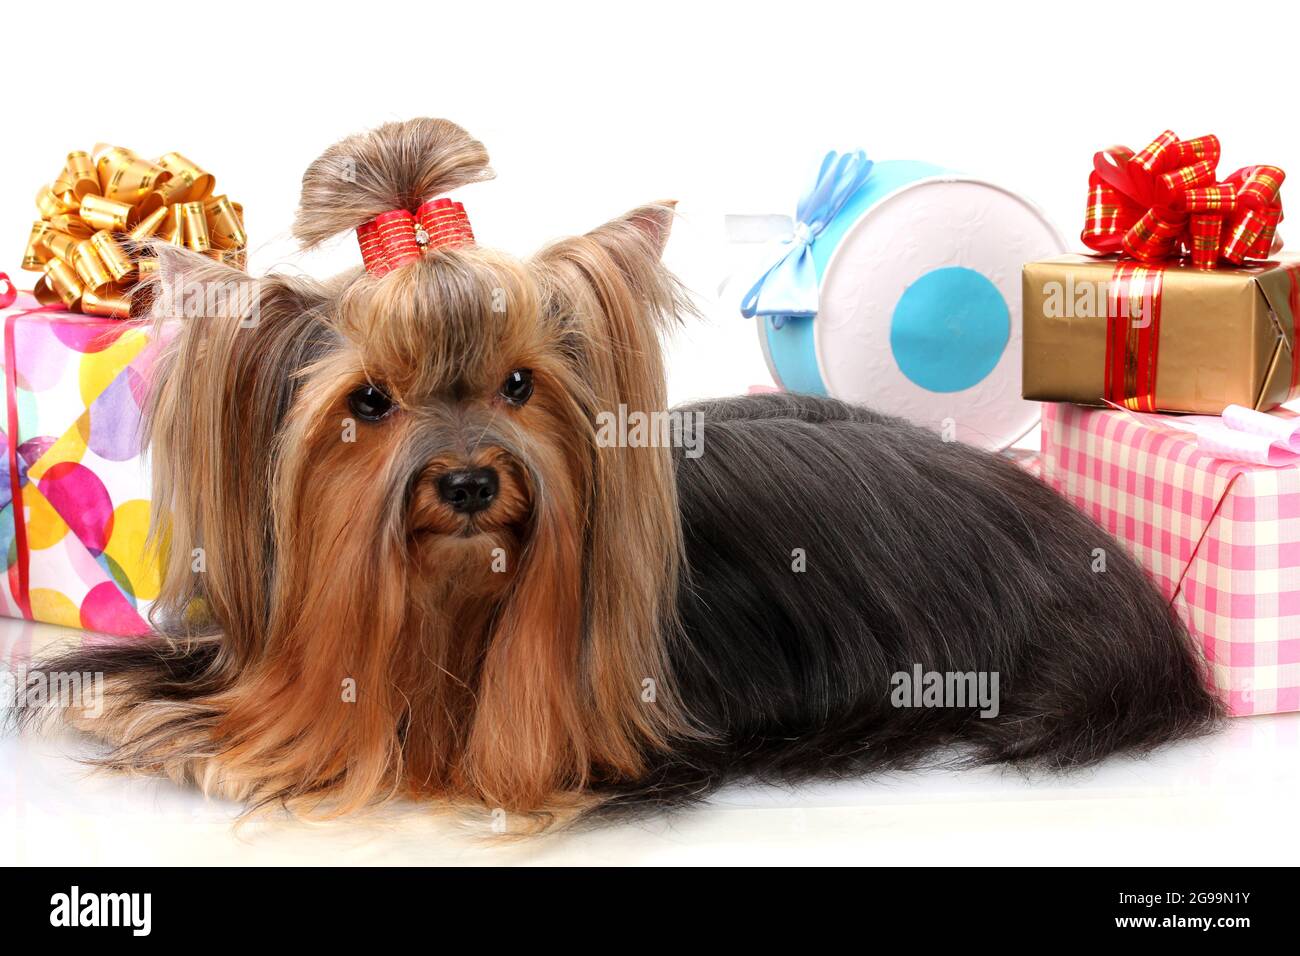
[{"x": 98, "y": 212}]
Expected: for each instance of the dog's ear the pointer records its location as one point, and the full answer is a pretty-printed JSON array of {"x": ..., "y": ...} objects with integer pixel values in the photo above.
[
  {"x": 609, "y": 290},
  {"x": 609, "y": 294},
  {"x": 221, "y": 387},
  {"x": 627, "y": 251},
  {"x": 642, "y": 232}
]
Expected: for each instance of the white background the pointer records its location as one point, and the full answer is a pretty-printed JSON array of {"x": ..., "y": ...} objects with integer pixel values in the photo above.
[{"x": 588, "y": 111}]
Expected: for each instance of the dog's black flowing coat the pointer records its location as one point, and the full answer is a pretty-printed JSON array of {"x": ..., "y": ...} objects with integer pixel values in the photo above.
[{"x": 916, "y": 551}]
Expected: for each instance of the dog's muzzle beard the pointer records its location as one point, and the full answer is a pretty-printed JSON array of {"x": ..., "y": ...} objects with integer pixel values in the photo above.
[{"x": 467, "y": 497}]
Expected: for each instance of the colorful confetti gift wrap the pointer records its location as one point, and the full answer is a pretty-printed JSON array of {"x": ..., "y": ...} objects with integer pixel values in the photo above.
[
  {"x": 1220, "y": 537},
  {"x": 76, "y": 545}
]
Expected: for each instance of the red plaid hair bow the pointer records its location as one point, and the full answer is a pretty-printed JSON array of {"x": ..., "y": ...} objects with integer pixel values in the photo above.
[
  {"x": 395, "y": 238},
  {"x": 1154, "y": 204}
]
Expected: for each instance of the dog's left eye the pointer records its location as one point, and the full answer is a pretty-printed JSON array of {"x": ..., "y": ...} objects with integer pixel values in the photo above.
[
  {"x": 518, "y": 386},
  {"x": 369, "y": 403}
]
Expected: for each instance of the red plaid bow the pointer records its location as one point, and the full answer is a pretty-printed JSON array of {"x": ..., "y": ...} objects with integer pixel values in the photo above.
[
  {"x": 1155, "y": 204},
  {"x": 395, "y": 238}
]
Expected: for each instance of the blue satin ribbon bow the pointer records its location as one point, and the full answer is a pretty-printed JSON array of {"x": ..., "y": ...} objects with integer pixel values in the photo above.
[{"x": 789, "y": 288}]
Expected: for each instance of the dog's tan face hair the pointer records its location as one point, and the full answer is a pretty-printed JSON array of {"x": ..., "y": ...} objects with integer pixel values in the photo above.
[{"x": 426, "y": 575}]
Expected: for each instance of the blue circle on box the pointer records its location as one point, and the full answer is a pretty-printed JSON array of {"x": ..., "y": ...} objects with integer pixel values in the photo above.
[{"x": 949, "y": 330}]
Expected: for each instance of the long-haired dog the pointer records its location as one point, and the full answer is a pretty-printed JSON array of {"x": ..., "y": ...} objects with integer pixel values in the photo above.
[{"x": 402, "y": 562}]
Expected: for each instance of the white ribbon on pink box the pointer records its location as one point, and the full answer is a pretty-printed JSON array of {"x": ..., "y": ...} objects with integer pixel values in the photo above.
[{"x": 1239, "y": 434}]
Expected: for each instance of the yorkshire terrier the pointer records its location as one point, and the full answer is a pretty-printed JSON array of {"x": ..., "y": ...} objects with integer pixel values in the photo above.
[{"x": 400, "y": 561}]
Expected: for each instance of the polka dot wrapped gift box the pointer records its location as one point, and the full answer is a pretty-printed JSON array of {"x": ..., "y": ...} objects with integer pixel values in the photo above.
[
  {"x": 899, "y": 288},
  {"x": 74, "y": 497}
]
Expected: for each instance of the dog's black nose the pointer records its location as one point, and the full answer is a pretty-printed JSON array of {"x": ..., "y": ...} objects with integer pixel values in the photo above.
[{"x": 469, "y": 489}]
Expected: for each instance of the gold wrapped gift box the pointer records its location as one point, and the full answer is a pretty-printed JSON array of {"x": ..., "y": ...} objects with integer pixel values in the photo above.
[
  {"x": 100, "y": 211},
  {"x": 1171, "y": 338}
]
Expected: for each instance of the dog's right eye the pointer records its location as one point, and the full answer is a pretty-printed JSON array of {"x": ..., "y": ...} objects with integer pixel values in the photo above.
[{"x": 369, "y": 403}]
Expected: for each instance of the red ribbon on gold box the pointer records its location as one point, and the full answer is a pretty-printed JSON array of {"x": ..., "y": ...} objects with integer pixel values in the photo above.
[{"x": 1166, "y": 200}]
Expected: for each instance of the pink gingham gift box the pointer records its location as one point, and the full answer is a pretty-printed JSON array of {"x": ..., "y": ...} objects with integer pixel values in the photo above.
[{"x": 1220, "y": 538}]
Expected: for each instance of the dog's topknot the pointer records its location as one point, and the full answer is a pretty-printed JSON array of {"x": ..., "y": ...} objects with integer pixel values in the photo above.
[{"x": 397, "y": 166}]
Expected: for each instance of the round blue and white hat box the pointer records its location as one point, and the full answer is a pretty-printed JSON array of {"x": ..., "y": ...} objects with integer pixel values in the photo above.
[{"x": 918, "y": 308}]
